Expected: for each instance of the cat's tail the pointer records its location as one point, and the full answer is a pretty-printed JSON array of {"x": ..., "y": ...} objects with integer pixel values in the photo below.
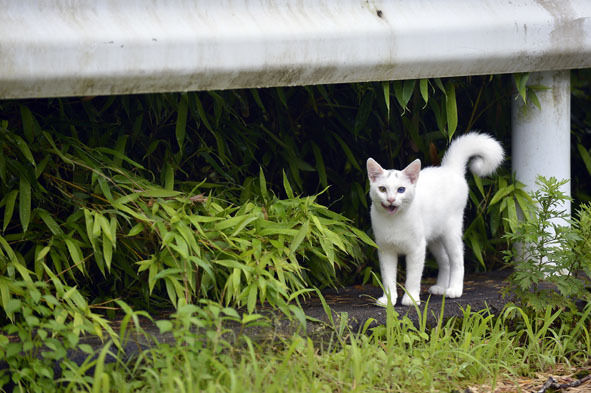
[{"x": 483, "y": 153}]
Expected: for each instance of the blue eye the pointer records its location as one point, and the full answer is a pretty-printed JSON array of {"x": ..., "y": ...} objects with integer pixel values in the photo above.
[{"x": 401, "y": 190}]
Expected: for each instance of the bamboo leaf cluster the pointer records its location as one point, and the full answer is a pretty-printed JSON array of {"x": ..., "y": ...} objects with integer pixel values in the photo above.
[{"x": 89, "y": 219}]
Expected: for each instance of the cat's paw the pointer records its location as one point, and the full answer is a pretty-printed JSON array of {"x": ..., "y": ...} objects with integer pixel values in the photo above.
[
  {"x": 383, "y": 301},
  {"x": 453, "y": 292},
  {"x": 408, "y": 301},
  {"x": 437, "y": 290}
]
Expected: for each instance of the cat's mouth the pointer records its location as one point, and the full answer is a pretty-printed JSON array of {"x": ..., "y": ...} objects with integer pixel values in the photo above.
[{"x": 390, "y": 208}]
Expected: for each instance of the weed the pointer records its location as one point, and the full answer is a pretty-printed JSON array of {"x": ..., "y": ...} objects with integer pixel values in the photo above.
[{"x": 550, "y": 251}]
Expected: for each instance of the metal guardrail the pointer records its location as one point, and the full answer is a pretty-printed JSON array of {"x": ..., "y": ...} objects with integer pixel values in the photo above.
[
  {"x": 86, "y": 47},
  {"x": 51, "y": 48}
]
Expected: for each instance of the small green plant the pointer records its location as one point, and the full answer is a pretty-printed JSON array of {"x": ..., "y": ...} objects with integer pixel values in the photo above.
[
  {"x": 549, "y": 250},
  {"x": 48, "y": 320}
]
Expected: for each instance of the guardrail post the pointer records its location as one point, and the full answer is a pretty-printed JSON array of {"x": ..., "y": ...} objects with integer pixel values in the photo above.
[{"x": 541, "y": 137}]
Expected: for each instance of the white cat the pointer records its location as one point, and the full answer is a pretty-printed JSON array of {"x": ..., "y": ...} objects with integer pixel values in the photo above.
[{"x": 413, "y": 209}]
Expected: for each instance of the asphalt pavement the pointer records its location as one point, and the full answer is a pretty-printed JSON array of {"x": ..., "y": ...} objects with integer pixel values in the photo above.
[
  {"x": 351, "y": 307},
  {"x": 481, "y": 291}
]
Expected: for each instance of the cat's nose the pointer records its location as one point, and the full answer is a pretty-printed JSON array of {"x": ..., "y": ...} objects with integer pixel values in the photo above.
[{"x": 391, "y": 200}]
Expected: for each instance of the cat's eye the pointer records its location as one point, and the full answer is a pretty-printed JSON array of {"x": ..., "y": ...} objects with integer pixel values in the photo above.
[
  {"x": 401, "y": 190},
  {"x": 382, "y": 189}
]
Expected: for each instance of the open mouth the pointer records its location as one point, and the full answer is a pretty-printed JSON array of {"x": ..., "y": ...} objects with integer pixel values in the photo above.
[{"x": 390, "y": 208}]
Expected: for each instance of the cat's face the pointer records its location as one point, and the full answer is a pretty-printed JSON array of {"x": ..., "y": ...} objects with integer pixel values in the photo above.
[{"x": 392, "y": 190}]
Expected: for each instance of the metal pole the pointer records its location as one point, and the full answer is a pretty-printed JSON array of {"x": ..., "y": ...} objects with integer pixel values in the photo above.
[{"x": 541, "y": 136}]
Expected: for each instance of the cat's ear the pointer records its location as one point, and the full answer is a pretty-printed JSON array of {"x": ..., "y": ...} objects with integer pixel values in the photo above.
[
  {"x": 412, "y": 170},
  {"x": 374, "y": 170}
]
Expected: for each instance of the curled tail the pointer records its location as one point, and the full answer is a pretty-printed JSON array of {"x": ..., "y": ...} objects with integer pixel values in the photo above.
[{"x": 483, "y": 152}]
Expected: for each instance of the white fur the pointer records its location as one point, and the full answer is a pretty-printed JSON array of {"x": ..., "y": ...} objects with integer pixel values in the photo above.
[{"x": 413, "y": 209}]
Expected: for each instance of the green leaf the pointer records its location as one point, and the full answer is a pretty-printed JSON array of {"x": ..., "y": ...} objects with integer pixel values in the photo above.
[
  {"x": 521, "y": 85},
  {"x": 41, "y": 253},
  {"x": 534, "y": 98},
  {"x": 9, "y": 200},
  {"x": 40, "y": 168},
  {"x": 263, "y": 185},
  {"x": 174, "y": 289},
  {"x": 244, "y": 223},
  {"x": 50, "y": 222},
  {"x": 105, "y": 226},
  {"x": 95, "y": 231},
  {"x": 105, "y": 188},
  {"x": 168, "y": 177},
  {"x": 477, "y": 250},
  {"x": 8, "y": 251},
  {"x": 512, "y": 214},
  {"x": 24, "y": 148},
  {"x": 439, "y": 114},
  {"x": 501, "y": 193},
  {"x": 236, "y": 221},
  {"x": 29, "y": 123},
  {"x": 119, "y": 156},
  {"x": 56, "y": 150},
  {"x": 363, "y": 236},
  {"x": 164, "y": 326},
  {"x": 126, "y": 199},
  {"x": 403, "y": 92},
  {"x": 101, "y": 379},
  {"x": 248, "y": 318},
  {"x": 287, "y": 186},
  {"x": 274, "y": 137},
  {"x": 24, "y": 205},
  {"x": 328, "y": 249},
  {"x": 136, "y": 230},
  {"x": 479, "y": 185},
  {"x": 439, "y": 84},
  {"x": 424, "y": 88},
  {"x": 152, "y": 147},
  {"x": 526, "y": 204},
  {"x": 282, "y": 98},
  {"x": 203, "y": 114},
  {"x": 160, "y": 193},
  {"x": 107, "y": 251},
  {"x": 75, "y": 253},
  {"x": 181, "y": 120},
  {"x": 365, "y": 109},
  {"x": 257, "y": 99},
  {"x": 584, "y": 153},
  {"x": 252, "y": 297},
  {"x": 320, "y": 167},
  {"x": 451, "y": 110},
  {"x": 348, "y": 153},
  {"x": 300, "y": 236},
  {"x": 386, "y": 89},
  {"x": 113, "y": 224},
  {"x": 119, "y": 151}
]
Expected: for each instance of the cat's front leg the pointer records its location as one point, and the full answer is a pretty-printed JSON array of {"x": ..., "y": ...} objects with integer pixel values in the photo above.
[
  {"x": 388, "y": 267},
  {"x": 415, "y": 261},
  {"x": 438, "y": 250}
]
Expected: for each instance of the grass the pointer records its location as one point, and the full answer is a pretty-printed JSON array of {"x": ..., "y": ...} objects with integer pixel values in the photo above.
[{"x": 476, "y": 349}]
